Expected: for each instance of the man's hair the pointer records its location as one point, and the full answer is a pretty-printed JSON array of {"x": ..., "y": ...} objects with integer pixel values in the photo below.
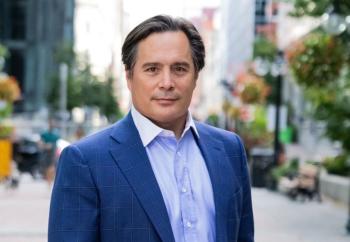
[{"x": 159, "y": 24}]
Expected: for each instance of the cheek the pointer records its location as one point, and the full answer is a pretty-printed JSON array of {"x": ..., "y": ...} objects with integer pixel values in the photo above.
[
  {"x": 142, "y": 92},
  {"x": 188, "y": 91}
]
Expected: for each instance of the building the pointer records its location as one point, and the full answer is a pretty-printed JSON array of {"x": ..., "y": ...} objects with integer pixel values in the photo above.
[
  {"x": 234, "y": 48},
  {"x": 260, "y": 13},
  {"x": 99, "y": 31},
  {"x": 237, "y": 36},
  {"x": 266, "y": 12},
  {"x": 208, "y": 93},
  {"x": 32, "y": 31}
]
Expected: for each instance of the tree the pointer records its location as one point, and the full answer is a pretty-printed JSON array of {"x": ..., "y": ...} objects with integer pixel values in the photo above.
[
  {"x": 84, "y": 88},
  {"x": 321, "y": 65}
]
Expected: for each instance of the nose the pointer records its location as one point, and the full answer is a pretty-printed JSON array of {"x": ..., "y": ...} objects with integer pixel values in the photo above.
[{"x": 166, "y": 81}]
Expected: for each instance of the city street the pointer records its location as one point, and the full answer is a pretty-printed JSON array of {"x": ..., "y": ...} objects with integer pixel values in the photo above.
[
  {"x": 276, "y": 73},
  {"x": 24, "y": 212}
]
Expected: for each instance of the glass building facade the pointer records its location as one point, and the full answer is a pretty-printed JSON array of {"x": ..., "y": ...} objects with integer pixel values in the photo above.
[{"x": 32, "y": 30}]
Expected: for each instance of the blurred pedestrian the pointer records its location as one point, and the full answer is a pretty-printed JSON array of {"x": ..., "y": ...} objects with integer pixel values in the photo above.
[
  {"x": 79, "y": 133},
  {"x": 49, "y": 140},
  {"x": 156, "y": 175}
]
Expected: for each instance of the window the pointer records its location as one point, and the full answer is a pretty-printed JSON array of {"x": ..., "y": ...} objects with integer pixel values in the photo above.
[
  {"x": 260, "y": 12},
  {"x": 3, "y": 18},
  {"x": 18, "y": 19},
  {"x": 15, "y": 66},
  {"x": 13, "y": 19}
]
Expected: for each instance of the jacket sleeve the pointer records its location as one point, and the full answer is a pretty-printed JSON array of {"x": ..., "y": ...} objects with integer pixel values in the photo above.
[
  {"x": 246, "y": 228},
  {"x": 74, "y": 209}
]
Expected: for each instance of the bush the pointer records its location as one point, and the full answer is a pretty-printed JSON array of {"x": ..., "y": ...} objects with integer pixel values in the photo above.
[
  {"x": 213, "y": 119},
  {"x": 337, "y": 165},
  {"x": 288, "y": 169}
]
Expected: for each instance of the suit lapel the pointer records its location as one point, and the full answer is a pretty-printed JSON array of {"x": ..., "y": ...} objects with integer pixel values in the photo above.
[
  {"x": 220, "y": 172},
  {"x": 131, "y": 157}
]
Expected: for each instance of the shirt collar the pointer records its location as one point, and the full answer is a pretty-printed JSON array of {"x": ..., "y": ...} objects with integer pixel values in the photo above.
[{"x": 149, "y": 131}]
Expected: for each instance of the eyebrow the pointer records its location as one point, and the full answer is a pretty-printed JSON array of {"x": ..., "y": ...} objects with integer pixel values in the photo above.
[
  {"x": 151, "y": 64},
  {"x": 184, "y": 64}
]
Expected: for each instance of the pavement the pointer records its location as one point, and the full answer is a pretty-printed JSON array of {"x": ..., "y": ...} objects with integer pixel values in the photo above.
[
  {"x": 24, "y": 211},
  {"x": 24, "y": 215},
  {"x": 279, "y": 219}
]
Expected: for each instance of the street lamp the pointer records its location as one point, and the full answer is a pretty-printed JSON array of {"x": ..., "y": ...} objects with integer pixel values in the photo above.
[
  {"x": 336, "y": 23},
  {"x": 262, "y": 67},
  {"x": 63, "y": 71},
  {"x": 333, "y": 23},
  {"x": 279, "y": 71}
]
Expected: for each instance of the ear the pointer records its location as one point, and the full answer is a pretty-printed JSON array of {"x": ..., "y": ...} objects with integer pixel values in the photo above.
[
  {"x": 196, "y": 75},
  {"x": 128, "y": 77},
  {"x": 128, "y": 74}
]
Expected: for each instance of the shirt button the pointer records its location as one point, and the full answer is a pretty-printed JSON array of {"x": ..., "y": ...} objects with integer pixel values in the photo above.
[
  {"x": 188, "y": 224},
  {"x": 184, "y": 190}
]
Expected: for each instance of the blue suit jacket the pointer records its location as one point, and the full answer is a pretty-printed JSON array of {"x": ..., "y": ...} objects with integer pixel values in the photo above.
[{"x": 105, "y": 189}]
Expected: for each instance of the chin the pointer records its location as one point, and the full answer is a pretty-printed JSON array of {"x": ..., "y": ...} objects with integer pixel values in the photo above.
[{"x": 165, "y": 118}]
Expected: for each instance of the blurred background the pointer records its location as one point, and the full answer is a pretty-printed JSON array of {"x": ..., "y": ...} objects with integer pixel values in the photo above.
[{"x": 277, "y": 73}]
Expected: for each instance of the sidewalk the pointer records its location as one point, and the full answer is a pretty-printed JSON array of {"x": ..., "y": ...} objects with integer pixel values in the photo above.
[
  {"x": 279, "y": 219},
  {"x": 24, "y": 212},
  {"x": 24, "y": 215}
]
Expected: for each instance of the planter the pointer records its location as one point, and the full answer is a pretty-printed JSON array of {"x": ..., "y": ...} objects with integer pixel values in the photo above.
[
  {"x": 5, "y": 158},
  {"x": 335, "y": 187}
]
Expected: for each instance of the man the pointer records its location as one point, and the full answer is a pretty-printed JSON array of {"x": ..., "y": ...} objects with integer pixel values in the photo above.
[
  {"x": 48, "y": 143},
  {"x": 156, "y": 175}
]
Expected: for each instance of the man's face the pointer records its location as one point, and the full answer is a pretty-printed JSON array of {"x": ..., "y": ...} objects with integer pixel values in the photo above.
[{"x": 163, "y": 78}]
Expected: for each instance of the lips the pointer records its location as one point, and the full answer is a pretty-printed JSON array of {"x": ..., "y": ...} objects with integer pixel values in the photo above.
[{"x": 165, "y": 101}]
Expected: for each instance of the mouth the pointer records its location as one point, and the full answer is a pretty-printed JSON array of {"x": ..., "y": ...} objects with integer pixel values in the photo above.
[{"x": 165, "y": 101}]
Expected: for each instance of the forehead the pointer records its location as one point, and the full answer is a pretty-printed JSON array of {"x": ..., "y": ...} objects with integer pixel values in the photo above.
[{"x": 164, "y": 47}]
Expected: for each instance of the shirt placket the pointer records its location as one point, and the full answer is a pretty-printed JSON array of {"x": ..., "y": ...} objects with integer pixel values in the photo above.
[{"x": 187, "y": 202}]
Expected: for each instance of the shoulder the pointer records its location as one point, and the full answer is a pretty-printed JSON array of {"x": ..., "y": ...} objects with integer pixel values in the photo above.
[
  {"x": 87, "y": 146},
  {"x": 218, "y": 133},
  {"x": 96, "y": 139},
  {"x": 231, "y": 142}
]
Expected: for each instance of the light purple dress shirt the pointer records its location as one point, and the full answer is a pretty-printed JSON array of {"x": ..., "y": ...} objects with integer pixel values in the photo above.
[{"x": 183, "y": 178}]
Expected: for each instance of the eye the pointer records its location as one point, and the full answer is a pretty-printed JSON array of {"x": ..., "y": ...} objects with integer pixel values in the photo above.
[
  {"x": 180, "y": 69},
  {"x": 151, "y": 69}
]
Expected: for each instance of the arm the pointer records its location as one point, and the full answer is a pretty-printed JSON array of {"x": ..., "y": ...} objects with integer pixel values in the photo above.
[
  {"x": 246, "y": 228},
  {"x": 74, "y": 209}
]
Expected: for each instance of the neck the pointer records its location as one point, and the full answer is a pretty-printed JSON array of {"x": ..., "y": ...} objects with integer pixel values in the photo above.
[{"x": 177, "y": 126}]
